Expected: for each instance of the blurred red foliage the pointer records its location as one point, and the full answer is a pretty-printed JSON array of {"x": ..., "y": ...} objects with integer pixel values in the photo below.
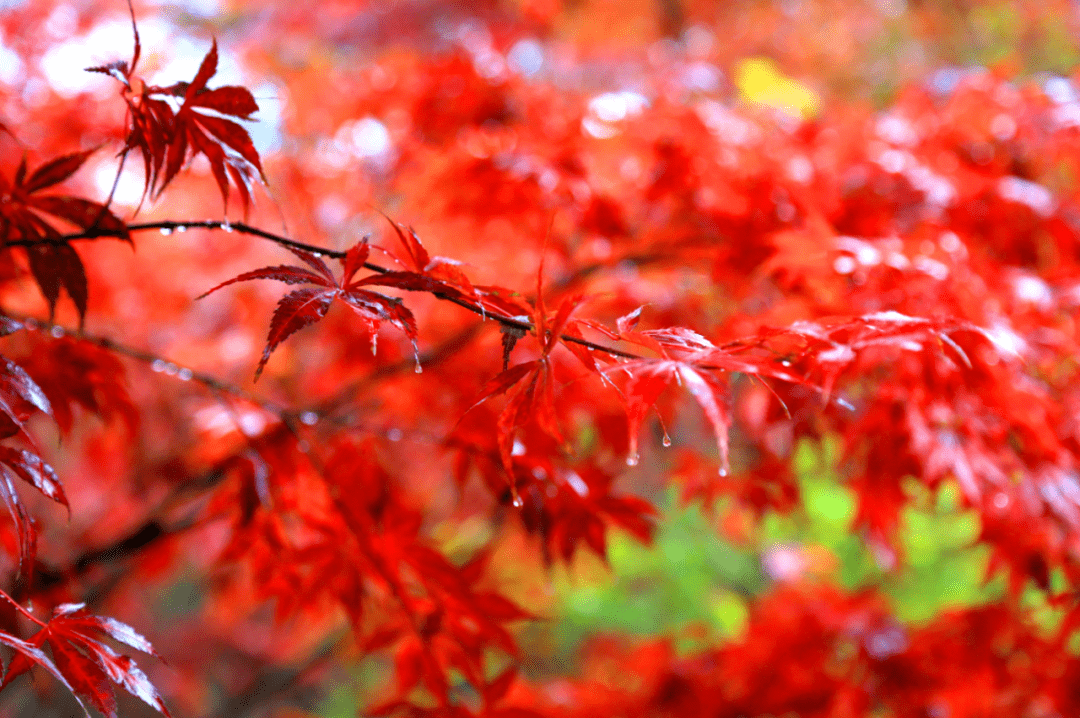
[{"x": 593, "y": 234}]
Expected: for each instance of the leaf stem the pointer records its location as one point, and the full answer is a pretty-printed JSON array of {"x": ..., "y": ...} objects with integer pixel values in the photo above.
[{"x": 21, "y": 609}]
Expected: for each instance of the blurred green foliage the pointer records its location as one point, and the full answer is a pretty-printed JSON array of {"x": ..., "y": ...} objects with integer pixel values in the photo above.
[
  {"x": 693, "y": 585},
  {"x": 1025, "y": 37}
]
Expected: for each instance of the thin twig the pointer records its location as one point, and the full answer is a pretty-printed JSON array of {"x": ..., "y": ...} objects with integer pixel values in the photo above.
[
  {"x": 171, "y": 226},
  {"x": 155, "y": 361},
  {"x": 269, "y": 685}
]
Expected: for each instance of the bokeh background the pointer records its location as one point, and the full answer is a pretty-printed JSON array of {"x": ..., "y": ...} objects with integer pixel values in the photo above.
[{"x": 792, "y": 60}]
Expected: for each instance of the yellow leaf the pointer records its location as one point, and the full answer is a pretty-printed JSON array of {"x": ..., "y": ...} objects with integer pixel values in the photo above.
[{"x": 759, "y": 80}]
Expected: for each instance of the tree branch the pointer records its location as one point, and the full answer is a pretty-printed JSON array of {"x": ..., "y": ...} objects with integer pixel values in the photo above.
[
  {"x": 170, "y": 226},
  {"x": 156, "y": 362}
]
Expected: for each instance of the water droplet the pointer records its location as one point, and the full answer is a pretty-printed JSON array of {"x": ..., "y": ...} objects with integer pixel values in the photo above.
[
  {"x": 374, "y": 344},
  {"x": 632, "y": 460},
  {"x": 723, "y": 471},
  {"x": 185, "y": 374},
  {"x": 419, "y": 369},
  {"x": 56, "y": 332},
  {"x": 171, "y": 369},
  {"x": 316, "y": 254},
  {"x": 181, "y": 228},
  {"x": 515, "y": 498},
  {"x": 667, "y": 440},
  {"x": 165, "y": 231},
  {"x": 225, "y": 226},
  {"x": 309, "y": 418},
  {"x": 157, "y": 365}
]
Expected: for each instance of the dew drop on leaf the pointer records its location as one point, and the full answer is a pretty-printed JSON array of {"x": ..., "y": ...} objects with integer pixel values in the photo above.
[
  {"x": 181, "y": 228},
  {"x": 185, "y": 374},
  {"x": 632, "y": 460},
  {"x": 666, "y": 440},
  {"x": 171, "y": 369},
  {"x": 56, "y": 332},
  {"x": 157, "y": 365},
  {"x": 225, "y": 226},
  {"x": 165, "y": 231},
  {"x": 309, "y": 418},
  {"x": 723, "y": 471}
]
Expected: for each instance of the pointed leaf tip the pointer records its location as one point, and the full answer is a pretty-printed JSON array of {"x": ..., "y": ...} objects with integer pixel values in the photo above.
[
  {"x": 207, "y": 69},
  {"x": 55, "y": 171},
  {"x": 295, "y": 311}
]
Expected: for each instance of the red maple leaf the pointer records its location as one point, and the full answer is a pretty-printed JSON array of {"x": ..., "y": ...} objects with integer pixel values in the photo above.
[
  {"x": 167, "y": 138},
  {"x": 83, "y": 662},
  {"x": 19, "y": 398},
  {"x": 25, "y": 221},
  {"x": 302, "y": 307},
  {"x": 530, "y": 385}
]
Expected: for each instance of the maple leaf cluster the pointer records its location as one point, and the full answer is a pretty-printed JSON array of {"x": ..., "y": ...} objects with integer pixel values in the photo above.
[{"x": 590, "y": 290}]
